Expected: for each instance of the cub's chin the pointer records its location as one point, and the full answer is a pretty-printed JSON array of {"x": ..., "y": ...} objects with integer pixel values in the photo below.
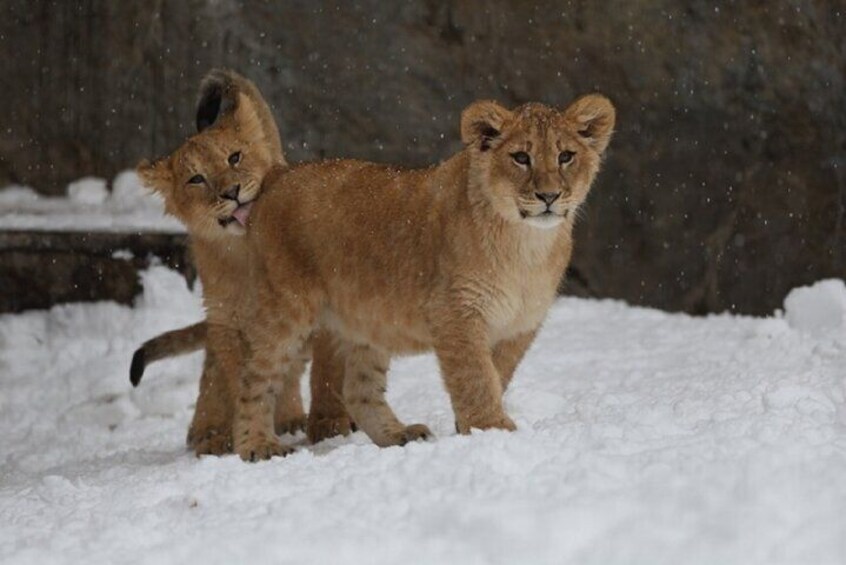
[
  {"x": 545, "y": 221},
  {"x": 234, "y": 228},
  {"x": 219, "y": 227}
]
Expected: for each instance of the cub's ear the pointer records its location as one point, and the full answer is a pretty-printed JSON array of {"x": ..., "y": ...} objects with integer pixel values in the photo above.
[
  {"x": 482, "y": 121},
  {"x": 593, "y": 116},
  {"x": 156, "y": 176},
  {"x": 246, "y": 118},
  {"x": 253, "y": 114},
  {"x": 228, "y": 100},
  {"x": 217, "y": 97}
]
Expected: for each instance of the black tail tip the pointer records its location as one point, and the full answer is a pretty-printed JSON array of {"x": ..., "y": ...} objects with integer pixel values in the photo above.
[{"x": 136, "y": 369}]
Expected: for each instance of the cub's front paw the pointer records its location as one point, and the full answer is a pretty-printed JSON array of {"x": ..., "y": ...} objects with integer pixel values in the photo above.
[
  {"x": 260, "y": 449},
  {"x": 320, "y": 428},
  {"x": 501, "y": 422}
]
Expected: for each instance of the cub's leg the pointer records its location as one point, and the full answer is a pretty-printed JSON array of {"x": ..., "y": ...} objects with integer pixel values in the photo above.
[
  {"x": 507, "y": 355},
  {"x": 468, "y": 370},
  {"x": 364, "y": 395},
  {"x": 210, "y": 432},
  {"x": 276, "y": 338},
  {"x": 327, "y": 415},
  {"x": 289, "y": 416}
]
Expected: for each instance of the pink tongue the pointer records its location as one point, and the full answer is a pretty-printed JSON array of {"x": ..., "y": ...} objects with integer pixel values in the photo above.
[{"x": 242, "y": 212}]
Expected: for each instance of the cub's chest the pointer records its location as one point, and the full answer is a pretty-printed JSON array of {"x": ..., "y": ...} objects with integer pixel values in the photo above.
[
  {"x": 517, "y": 304},
  {"x": 224, "y": 273}
]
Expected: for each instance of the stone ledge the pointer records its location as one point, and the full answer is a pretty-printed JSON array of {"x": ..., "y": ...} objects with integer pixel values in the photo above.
[{"x": 41, "y": 268}]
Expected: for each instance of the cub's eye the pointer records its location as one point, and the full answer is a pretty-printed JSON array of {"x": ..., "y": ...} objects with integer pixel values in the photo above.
[
  {"x": 565, "y": 157},
  {"x": 235, "y": 158},
  {"x": 521, "y": 158},
  {"x": 197, "y": 179}
]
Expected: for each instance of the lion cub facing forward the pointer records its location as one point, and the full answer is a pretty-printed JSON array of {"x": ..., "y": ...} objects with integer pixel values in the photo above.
[{"x": 463, "y": 258}]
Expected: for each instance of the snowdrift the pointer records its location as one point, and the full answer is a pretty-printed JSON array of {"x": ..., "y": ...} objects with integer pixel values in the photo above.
[{"x": 643, "y": 437}]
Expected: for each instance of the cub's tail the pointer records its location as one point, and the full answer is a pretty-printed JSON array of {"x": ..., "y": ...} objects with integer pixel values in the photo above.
[{"x": 175, "y": 342}]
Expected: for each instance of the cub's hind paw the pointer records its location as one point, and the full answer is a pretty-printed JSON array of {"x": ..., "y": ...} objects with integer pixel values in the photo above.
[
  {"x": 415, "y": 432},
  {"x": 215, "y": 445},
  {"x": 502, "y": 422},
  {"x": 210, "y": 442},
  {"x": 320, "y": 428},
  {"x": 292, "y": 425},
  {"x": 401, "y": 435},
  {"x": 262, "y": 449}
]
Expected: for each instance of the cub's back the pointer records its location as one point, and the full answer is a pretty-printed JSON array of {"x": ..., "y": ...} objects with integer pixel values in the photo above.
[
  {"x": 369, "y": 233},
  {"x": 354, "y": 208}
]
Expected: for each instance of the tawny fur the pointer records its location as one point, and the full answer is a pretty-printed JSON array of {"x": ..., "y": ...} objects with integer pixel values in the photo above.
[
  {"x": 245, "y": 127},
  {"x": 463, "y": 258}
]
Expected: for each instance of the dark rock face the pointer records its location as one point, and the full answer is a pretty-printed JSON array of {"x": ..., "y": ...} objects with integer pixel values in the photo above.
[
  {"x": 40, "y": 269},
  {"x": 724, "y": 187}
]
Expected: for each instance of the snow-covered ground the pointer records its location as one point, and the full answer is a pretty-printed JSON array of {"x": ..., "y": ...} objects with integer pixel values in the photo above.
[
  {"x": 644, "y": 437},
  {"x": 87, "y": 206}
]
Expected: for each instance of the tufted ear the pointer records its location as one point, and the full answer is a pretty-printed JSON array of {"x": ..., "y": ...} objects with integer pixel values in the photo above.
[
  {"x": 593, "y": 116},
  {"x": 482, "y": 121},
  {"x": 156, "y": 176}
]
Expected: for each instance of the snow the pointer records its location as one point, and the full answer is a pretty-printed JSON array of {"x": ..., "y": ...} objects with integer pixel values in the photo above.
[
  {"x": 819, "y": 309},
  {"x": 644, "y": 437},
  {"x": 88, "y": 206},
  {"x": 88, "y": 190}
]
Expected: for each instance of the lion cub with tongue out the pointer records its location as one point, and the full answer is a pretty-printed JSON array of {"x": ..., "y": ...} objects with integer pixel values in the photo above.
[{"x": 210, "y": 183}]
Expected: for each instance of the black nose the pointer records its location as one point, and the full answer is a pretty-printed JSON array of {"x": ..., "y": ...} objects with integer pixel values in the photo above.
[
  {"x": 232, "y": 193},
  {"x": 548, "y": 197}
]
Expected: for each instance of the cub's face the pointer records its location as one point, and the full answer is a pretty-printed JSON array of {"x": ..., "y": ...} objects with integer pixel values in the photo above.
[
  {"x": 211, "y": 181},
  {"x": 536, "y": 164}
]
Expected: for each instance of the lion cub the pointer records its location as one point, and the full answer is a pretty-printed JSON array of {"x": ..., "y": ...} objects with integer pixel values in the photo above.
[
  {"x": 211, "y": 183},
  {"x": 463, "y": 258}
]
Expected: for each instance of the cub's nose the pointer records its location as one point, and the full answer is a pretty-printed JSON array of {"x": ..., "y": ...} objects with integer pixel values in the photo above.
[
  {"x": 548, "y": 197},
  {"x": 232, "y": 193}
]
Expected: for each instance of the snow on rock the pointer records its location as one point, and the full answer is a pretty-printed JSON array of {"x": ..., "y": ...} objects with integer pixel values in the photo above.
[
  {"x": 819, "y": 309},
  {"x": 644, "y": 437},
  {"x": 17, "y": 196},
  {"x": 88, "y": 206},
  {"x": 127, "y": 188},
  {"x": 88, "y": 190}
]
